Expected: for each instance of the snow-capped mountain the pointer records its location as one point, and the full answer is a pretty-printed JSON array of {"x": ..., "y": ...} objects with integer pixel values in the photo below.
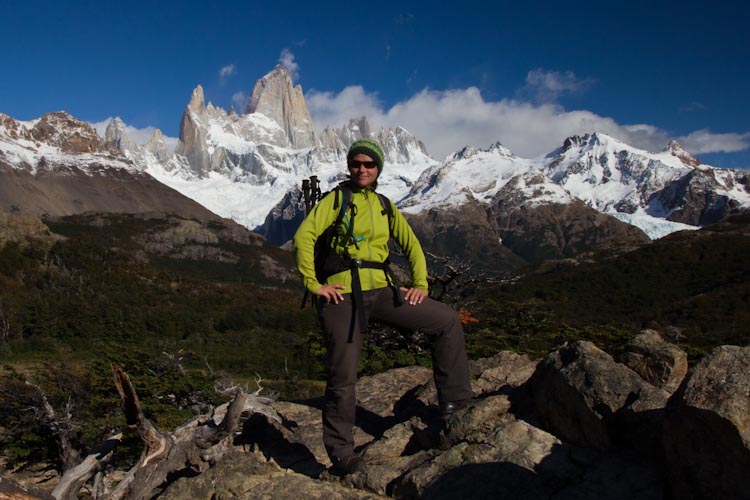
[
  {"x": 249, "y": 167},
  {"x": 657, "y": 192},
  {"x": 619, "y": 179},
  {"x": 56, "y": 141},
  {"x": 469, "y": 174},
  {"x": 242, "y": 166},
  {"x": 58, "y": 165},
  {"x": 487, "y": 202}
]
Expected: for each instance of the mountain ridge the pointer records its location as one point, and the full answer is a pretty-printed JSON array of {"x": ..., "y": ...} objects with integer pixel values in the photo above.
[
  {"x": 58, "y": 165},
  {"x": 246, "y": 166},
  {"x": 609, "y": 175}
]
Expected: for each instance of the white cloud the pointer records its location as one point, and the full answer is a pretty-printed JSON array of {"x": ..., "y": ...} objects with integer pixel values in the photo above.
[
  {"x": 704, "y": 141},
  {"x": 450, "y": 119},
  {"x": 327, "y": 108},
  {"x": 228, "y": 70},
  {"x": 286, "y": 59},
  {"x": 548, "y": 86}
]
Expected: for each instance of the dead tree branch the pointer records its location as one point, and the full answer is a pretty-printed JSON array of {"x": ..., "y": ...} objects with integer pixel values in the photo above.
[
  {"x": 62, "y": 428},
  {"x": 74, "y": 478},
  {"x": 195, "y": 446}
]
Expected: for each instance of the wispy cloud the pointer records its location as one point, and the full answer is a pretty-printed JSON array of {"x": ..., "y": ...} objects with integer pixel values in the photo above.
[
  {"x": 286, "y": 59},
  {"x": 239, "y": 99},
  {"x": 548, "y": 86},
  {"x": 405, "y": 18},
  {"x": 227, "y": 71},
  {"x": 447, "y": 120},
  {"x": 693, "y": 106}
]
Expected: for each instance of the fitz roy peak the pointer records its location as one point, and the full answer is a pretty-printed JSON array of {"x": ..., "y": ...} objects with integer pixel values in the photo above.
[{"x": 274, "y": 97}]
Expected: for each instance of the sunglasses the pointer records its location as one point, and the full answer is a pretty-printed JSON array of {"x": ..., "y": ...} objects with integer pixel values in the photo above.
[{"x": 367, "y": 164}]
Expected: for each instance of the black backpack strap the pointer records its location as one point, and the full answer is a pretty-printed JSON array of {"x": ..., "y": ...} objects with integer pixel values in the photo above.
[
  {"x": 348, "y": 204},
  {"x": 357, "y": 298},
  {"x": 346, "y": 199},
  {"x": 387, "y": 207}
]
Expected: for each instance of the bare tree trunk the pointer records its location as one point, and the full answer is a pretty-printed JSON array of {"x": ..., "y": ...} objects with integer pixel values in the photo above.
[
  {"x": 62, "y": 429},
  {"x": 194, "y": 446},
  {"x": 75, "y": 477}
]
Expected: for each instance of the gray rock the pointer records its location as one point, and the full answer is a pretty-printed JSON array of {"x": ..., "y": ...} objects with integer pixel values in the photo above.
[
  {"x": 506, "y": 369},
  {"x": 246, "y": 476},
  {"x": 390, "y": 457},
  {"x": 658, "y": 362},
  {"x": 378, "y": 393},
  {"x": 579, "y": 389},
  {"x": 511, "y": 449},
  {"x": 707, "y": 430},
  {"x": 615, "y": 476}
]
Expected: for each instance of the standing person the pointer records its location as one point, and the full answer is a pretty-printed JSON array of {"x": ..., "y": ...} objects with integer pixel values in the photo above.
[{"x": 360, "y": 288}]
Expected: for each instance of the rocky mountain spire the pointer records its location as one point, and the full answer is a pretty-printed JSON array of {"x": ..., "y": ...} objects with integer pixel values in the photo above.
[
  {"x": 341, "y": 138},
  {"x": 197, "y": 101},
  {"x": 193, "y": 144},
  {"x": 117, "y": 136},
  {"x": 275, "y": 97},
  {"x": 158, "y": 147}
]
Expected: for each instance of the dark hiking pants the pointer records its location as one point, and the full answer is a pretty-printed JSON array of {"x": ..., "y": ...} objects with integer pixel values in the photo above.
[{"x": 435, "y": 319}]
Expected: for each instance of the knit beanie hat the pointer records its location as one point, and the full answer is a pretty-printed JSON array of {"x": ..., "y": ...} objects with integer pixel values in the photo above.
[{"x": 369, "y": 148}]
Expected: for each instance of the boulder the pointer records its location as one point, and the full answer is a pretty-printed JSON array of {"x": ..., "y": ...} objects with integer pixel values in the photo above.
[
  {"x": 497, "y": 459},
  {"x": 388, "y": 458},
  {"x": 378, "y": 394},
  {"x": 586, "y": 398},
  {"x": 658, "y": 362},
  {"x": 502, "y": 371},
  {"x": 707, "y": 429}
]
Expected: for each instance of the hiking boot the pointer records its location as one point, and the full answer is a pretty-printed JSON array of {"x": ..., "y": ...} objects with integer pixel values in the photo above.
[
  {"x": 447, "y": 438},
  {"x": 346, "y": 465},
  {"x": 448, "y": 409}
]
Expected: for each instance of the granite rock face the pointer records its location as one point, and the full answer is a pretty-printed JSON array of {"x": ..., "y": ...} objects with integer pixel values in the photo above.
[{"x": 275, "y": 97}]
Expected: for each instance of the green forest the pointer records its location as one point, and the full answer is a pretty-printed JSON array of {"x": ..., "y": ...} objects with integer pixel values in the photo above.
[{"x": 103, "y": 291}]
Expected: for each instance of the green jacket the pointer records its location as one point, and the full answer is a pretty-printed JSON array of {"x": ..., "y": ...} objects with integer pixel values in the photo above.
[{"x": 372, "y": 234}]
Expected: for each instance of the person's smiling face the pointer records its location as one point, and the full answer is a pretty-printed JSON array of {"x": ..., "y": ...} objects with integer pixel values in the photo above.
[{"x": 363, "y": 169}]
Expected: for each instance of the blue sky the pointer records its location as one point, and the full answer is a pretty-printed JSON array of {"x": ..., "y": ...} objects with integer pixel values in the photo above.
[{"x": 452, "y": 73}]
